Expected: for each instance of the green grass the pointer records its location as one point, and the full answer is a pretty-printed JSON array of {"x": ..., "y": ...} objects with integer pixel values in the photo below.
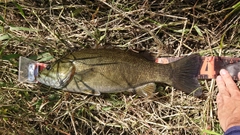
[{"x": 47, "y": 30}]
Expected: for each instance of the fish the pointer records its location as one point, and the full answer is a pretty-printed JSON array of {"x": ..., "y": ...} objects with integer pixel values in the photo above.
[{"x": 96, "y": 71}]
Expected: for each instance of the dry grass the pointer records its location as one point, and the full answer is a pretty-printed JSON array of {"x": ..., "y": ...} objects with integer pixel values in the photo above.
[{"x": 30, "y": 28}]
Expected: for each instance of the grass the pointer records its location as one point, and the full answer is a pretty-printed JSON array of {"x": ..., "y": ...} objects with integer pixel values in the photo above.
[{"x": 163, "y": 28}]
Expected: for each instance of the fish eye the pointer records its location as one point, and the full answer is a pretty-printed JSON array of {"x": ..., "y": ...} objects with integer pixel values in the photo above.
[{"x": 48, "y": 67}]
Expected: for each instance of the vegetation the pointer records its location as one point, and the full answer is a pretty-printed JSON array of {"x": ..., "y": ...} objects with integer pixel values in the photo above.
[{"x": 31, "y": 28}]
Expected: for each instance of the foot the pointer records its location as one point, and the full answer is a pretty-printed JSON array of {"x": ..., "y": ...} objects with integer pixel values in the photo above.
[{"x": 228, "y": 101}]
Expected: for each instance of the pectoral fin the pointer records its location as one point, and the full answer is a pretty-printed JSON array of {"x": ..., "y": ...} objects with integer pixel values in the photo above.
[{"x": 146, "y": 90}]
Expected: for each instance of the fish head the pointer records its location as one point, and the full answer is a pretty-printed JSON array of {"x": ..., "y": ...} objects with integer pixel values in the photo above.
[{"x": 57, "y": 75}]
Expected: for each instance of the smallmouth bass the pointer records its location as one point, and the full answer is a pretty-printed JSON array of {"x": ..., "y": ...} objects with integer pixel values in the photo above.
[{"x": 96, "y": 71}]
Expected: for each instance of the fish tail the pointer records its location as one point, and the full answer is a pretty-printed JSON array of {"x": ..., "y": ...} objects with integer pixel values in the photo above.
[{"x": 185, "y": 72}]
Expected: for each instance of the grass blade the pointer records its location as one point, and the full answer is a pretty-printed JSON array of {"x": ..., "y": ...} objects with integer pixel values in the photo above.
[
  {"x": 209, "y": 132},
  {"x": 20, "y": 9},
  {"x": 5, "y": 37},
  {"x": 1, "y": 19}
]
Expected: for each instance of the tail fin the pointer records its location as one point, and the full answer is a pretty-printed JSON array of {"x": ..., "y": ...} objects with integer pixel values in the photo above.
[{"x": 185, "y": 73}]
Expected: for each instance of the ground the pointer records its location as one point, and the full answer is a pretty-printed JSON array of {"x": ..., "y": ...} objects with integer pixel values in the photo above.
[{"x": 34, "y": 29}]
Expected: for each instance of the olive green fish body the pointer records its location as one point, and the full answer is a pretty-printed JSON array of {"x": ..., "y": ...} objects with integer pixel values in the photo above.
[
  {"x": 110, "y": 71},
  {"x": 113, "y": 71}
]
